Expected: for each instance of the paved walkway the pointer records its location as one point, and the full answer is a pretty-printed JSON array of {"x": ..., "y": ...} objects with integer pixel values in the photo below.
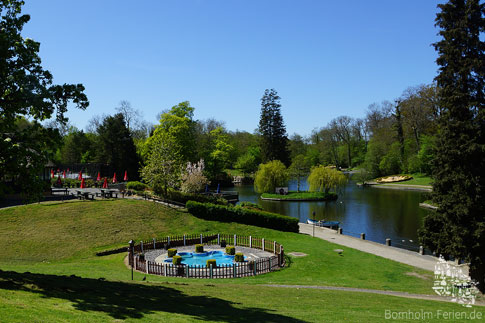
[{"x": 401, "y": 255}]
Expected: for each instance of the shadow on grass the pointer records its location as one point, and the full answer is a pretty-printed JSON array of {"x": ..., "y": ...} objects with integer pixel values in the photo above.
[{"x": 129, "y": 300}]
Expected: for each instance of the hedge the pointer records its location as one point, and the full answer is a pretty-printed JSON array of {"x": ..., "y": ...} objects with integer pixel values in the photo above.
[
  {"x": 230, "y": 250},
  {"x": 182, "y": 197},
  {"x": 199, "y": 248},
  {"x": 136, "y": 186},
  {"x": 210, "y": 262},
  {"x": 171, "y": 253},
  {"x": 209, "y": 211},
  {"x": 239, "y": 257}
]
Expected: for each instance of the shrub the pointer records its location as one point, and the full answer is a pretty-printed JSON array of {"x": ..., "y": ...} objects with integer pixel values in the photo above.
[
  {"x": 182, "y": 197},
  {"x": 199, "y": 248},
  {"x": 210, "y": 262},
  {"x": 136, "y": 186},
  {"x": 237, "y": 214},
  {"x": 230, "y": 250},
  {"x": 239, "y": 257},
  {"x": 177, "y": 260},
  {"x": 250, "y": 205},
  {"x": 171, "y": 252}
]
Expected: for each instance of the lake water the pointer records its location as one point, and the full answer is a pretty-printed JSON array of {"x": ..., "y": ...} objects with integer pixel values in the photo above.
[{"x": 379, "y": 213}]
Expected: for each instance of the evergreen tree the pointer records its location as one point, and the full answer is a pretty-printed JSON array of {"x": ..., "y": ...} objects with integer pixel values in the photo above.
[
  {"x": 274, "y": 140},
  {"x": 458, "y": 226}
]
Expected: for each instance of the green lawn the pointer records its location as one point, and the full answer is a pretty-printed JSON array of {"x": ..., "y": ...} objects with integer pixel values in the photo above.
[
  {"x": 53, "y": 242},
  {"x": 294, "y": 195},
  {"x": 418, "y": 179}
]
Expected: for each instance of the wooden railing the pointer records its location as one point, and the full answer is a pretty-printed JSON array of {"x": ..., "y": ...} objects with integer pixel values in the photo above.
[{"x": 235, "y": 270}]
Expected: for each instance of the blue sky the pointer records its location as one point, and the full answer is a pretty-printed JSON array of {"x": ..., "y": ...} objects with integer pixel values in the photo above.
[{"x": 325, "y": 58}]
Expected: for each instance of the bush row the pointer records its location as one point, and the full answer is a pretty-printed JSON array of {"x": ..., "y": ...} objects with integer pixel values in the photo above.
[
  {"x": 182, "y": 197},
  {"x": 237, "y": 214}
]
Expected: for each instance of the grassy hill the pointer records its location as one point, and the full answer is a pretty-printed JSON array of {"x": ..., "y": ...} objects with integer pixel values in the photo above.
[{"x": 49, "y": 271}]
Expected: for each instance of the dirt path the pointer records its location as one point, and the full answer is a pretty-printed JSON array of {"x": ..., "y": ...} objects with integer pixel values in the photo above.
[{"x": 376, "y": 291}]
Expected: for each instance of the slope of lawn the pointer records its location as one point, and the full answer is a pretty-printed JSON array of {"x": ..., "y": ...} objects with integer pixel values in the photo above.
[{"x": 48, "y": 270}]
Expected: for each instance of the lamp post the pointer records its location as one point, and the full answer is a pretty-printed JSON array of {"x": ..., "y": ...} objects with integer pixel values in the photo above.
[
  {"x": 313, "y": 223},
  {"x": 132, "y": 256}
]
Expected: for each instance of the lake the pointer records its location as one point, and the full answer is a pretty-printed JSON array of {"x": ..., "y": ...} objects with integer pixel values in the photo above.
[{"x": 377, "y": 212}]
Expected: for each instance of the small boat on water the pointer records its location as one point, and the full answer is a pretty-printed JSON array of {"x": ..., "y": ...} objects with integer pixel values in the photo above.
[{"x": 325, "y": 224}]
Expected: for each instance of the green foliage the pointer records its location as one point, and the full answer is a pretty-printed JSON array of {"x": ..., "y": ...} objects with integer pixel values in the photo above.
[
  {"x": 177, "y": 260},
  {"x": 116, "y": 146},
  {"x": 78, "y": 147},
  {"x": 27, "y": 93},
  {"x": 323, "y": 179},
  {"x": 182, "y": 197},
  {"x": 274, "y": 140},
  {"x": 458, "y": 226},
  {"x": 220, "y": 154},
  {"x": 171, "y": 253},
  {"x": 299, "y": 167},
  {"x": 211, "y": 262},
  {"x": 136, "y": 186},
  {"x": 269, "y": 176},
  {"x": 250, "y": 205},
  {"x": 215, "y": 212},
  {"x": 230, "y": 250},
  {"x": 391, "y": 162},
  {"x": 199, "y": 248},
  {"x": 249, "y": 162},
  {"x": 239, "y": 257}
]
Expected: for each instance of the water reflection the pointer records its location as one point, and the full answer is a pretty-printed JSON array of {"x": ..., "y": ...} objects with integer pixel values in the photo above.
[{"x": 379, "y": 213}]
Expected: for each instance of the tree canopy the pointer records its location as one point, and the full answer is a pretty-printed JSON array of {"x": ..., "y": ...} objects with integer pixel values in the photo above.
[
  {"x": 27, "y": 91},
  {"x": 458, "y": 226},
  {"x": 269, "y": 176}
]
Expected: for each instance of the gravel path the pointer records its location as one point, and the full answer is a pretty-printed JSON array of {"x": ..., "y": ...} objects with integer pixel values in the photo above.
[{"x": 375, "y": 291}]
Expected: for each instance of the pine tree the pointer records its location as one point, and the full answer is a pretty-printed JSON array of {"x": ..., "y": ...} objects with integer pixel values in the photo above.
[
  {"x": 274, "y": 140},
  {"x": 458, "y": 226}
]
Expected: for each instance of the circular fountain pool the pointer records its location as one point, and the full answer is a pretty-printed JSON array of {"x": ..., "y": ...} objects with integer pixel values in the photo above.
[{"x": 200, "y": 258}]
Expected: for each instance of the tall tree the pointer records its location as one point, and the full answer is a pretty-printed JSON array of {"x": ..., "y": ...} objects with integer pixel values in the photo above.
[
  {"x": 458, "y": 226},
  {"x": 274, "y": 140},
  {"x": 117, "y": 147},
  {"x": 27, "y": 91}
]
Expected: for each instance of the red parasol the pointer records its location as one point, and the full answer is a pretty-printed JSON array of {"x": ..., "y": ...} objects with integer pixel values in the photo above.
[
  {"x": 105, "y": 184},
  {"x": 126, "y": 176},
  {"x": 64, "y": 174},
  {"x": 83, "y": 185},
  {"x": 59, "y": 182},
  {"x": 52, "y": 173},
  {"x": 80, "y": 177},
  {"x": 114, "y": 178},
  {"x": 99, "y": 177}
]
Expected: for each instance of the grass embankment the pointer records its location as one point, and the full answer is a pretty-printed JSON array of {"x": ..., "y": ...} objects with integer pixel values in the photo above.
[
  {"x": 417, "y": 179},
  {"x": 56, "y": 241},
  {"x": 304, "y": 196}
]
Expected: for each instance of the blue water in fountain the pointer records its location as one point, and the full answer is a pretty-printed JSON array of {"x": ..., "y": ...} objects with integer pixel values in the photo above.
[{"x": 200, "y": 259}]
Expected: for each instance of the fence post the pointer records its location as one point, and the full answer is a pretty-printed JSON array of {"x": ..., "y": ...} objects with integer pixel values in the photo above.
[
  {"x": 269, "y": 263},
  {"x": 255, "y": 265},
  {"x": 235, "y": 240},
  {"x": 262, "y": 244},
  {"x": 168, "y": 240},
  {"x": 362, "y": 236},
  {"x": 274, "y": 247},
  {"x": 201, "y": 238},
  {"x": 141, "y": 244},
  {"x": 187, "y": 272},
  {"x": 218, "y": 238},
  {"x": 165, "y": 270},
  {"x": 388, "y": 242},
  {"x": 339, "y": 231},
  {"x": 154, "y": 243},
  {"x": 184, "y": 240},
  {"x": 146, "y": 266},
  {"x": 250, "y": 242},
  {"x": 211, "y": 271},
  {"x": 421, "y": 250},
  {"x": 234, "y": 270}
]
